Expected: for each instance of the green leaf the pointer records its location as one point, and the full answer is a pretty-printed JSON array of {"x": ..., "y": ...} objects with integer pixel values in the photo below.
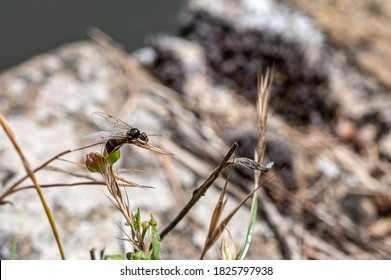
[
  {"x": 113, "y": 257},
  {"x": 155, "y": 232},
  {"x": 155, "y": 249},
  {"x": 13, "y": 250},
  {"x": 155, "y": 244},
  {"x": 113, "y": 157},
  {"x": 140, "y": 255},
  {"x": 137, "y": 220}
]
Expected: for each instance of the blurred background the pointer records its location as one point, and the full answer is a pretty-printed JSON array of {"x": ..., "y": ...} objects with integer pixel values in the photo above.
[{"x": 30, "y": 28}]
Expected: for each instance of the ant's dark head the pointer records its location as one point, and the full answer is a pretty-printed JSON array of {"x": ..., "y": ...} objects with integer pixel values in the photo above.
[
  {"x": 134, "y": 133},
  {"x": 144, "y": 137}
]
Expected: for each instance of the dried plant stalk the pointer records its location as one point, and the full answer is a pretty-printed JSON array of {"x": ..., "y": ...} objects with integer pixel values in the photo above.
[
  {"x": 31, "y": 174},
  {"x": 264, "y": 90}
]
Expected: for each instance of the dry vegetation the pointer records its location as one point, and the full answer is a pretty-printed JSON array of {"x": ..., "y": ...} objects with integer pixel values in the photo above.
[{"x": 328, "y": 196}]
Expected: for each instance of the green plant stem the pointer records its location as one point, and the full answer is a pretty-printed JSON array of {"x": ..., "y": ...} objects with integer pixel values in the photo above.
[{"x": 250, "y": 230}]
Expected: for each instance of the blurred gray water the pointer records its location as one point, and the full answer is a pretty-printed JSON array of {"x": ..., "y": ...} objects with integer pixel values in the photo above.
[{"x": 29, "y": 28}]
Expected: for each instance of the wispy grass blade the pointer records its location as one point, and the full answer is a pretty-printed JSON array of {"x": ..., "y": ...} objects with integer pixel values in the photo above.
[
  {"x": 218, "y": 210},
  {"x": 264, "y": 90}
]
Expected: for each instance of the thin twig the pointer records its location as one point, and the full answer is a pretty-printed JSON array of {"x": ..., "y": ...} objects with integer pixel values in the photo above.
[
  {"x": 43, "y": 186},
  {"x": 198, "y": 193},
  {"x": 14, "y": 185}
]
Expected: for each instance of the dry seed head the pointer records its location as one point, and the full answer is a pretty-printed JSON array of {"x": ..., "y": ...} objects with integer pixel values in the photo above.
[{"x": 95, "y": 162}]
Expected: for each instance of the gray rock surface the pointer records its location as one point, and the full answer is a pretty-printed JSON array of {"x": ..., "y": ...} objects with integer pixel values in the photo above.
[{"x": 328, "y": 134}]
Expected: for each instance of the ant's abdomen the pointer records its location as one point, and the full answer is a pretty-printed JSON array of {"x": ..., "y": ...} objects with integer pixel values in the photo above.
[{"x": 113, "y": 144}]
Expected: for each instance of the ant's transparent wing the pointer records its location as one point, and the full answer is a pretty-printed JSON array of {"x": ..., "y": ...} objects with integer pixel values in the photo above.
[
  {"x": 151, "y": 148},
  {"x": 108, "y": 122},
  {"x": 105, "y": 135}
]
